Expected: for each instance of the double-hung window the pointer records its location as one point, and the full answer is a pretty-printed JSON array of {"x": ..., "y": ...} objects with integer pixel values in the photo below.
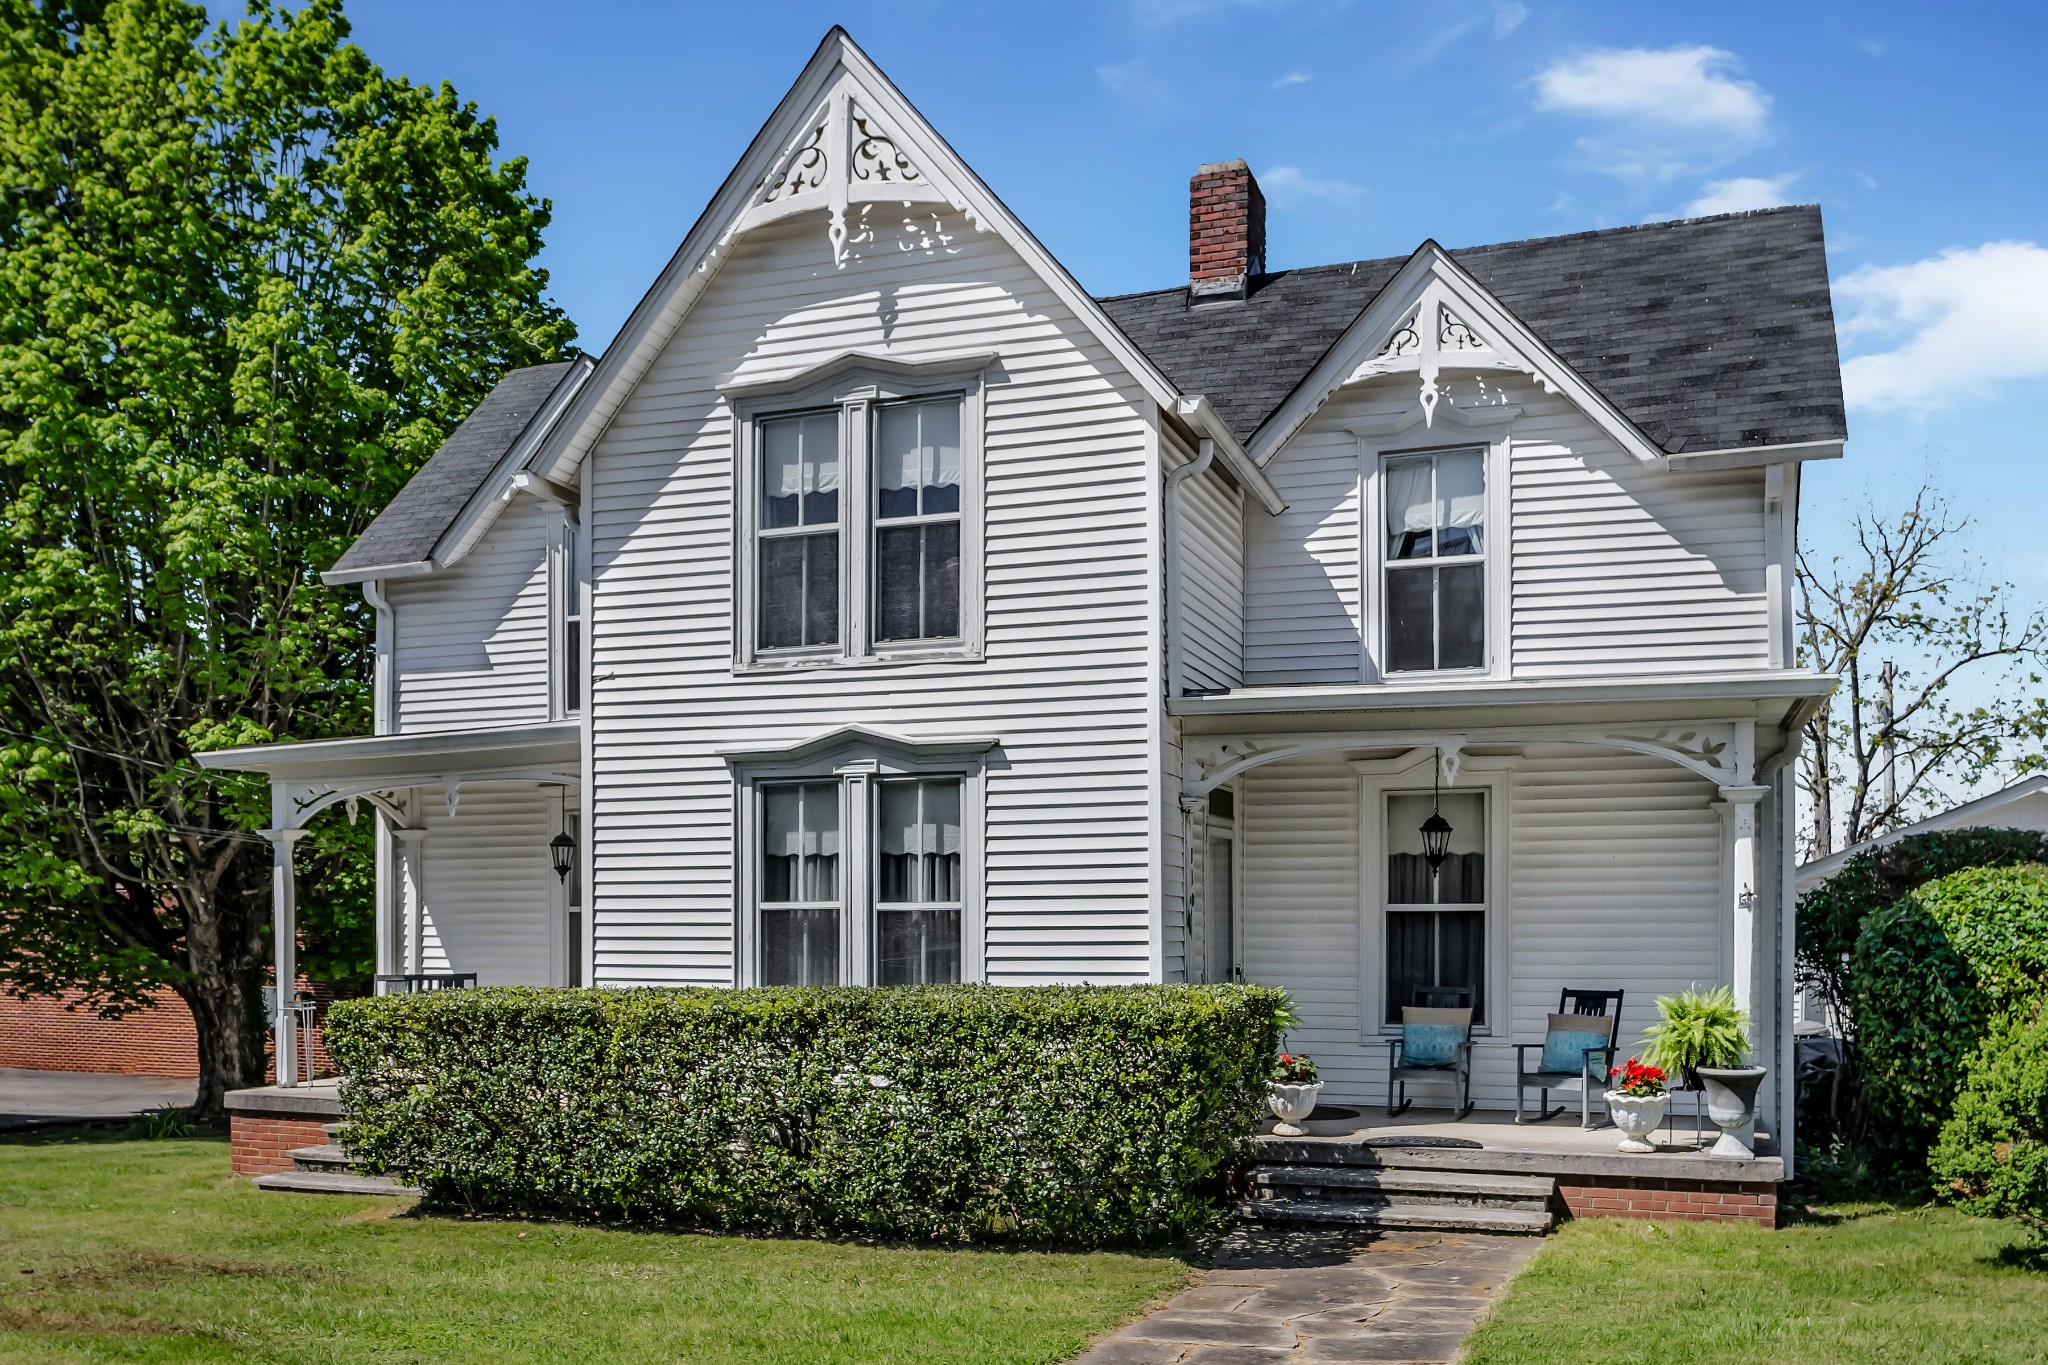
[
  {"x": 1435, "y": 561},
  {"x": 799, "y": 531},
  {"x": 863, "y": 522},
  {"x": 860, "y": 878}
]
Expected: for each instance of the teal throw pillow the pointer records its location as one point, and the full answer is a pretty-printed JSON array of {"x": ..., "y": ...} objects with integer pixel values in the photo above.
[
  {"x": 1565, "y": 1050},
  {"x": 1431, "y": 1044}
]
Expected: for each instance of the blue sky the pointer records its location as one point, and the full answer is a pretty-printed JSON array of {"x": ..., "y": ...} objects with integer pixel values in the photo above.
[{"x": 1373, "y": 125}]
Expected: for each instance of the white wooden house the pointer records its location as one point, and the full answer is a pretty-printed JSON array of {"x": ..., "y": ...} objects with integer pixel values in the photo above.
[{"x": 881, "y": 607}]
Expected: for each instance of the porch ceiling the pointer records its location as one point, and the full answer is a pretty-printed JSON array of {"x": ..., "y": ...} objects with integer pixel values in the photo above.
[{"x": 1775, "y": 698}]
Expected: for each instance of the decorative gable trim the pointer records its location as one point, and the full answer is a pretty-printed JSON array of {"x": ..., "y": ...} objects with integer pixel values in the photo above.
[
  {"x": 1433, "y": 317},
  {"x": 843, "y": 136}
]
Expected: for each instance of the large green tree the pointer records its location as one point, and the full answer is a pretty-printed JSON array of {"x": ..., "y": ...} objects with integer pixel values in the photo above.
[{"x": 248, "y": 282}]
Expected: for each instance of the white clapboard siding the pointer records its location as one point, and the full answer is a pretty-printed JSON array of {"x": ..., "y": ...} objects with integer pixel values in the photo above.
[
  {"x": 490, "y": 885},
  {"x": 1210, "y": 509},
  {"x": 1615, "y": 569},
  {"x": 1613, "y": 884},
  {"x": 1070, "y": 680},
  {"x": 469, "y": 644}
]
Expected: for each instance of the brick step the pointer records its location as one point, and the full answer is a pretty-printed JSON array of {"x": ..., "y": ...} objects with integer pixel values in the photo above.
[
  {"x": 1381, "y": 1213},
  {"x": 332, "y": 1182},
  {"x": 1396, "y": 1185}
]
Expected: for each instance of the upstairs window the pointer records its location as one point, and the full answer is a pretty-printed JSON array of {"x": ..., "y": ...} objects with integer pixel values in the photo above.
[
  {"x": 1435, "y": 556},
  {"x": 799, "y": 530},
  {"x": 862, "y": 535}
]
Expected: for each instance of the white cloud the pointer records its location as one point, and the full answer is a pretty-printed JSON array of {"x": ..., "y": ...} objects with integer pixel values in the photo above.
[
  {"x": 1133, "y": 81},
  {"x": 1288, "y": 184},
  {"x": 1741, "y": 194},
  {"x": 1508, "y": 16},
  {"x": 1669, "y": 111},
  {"x": 1293, "y": 78},
  {"x": 1960, "y": 325}
]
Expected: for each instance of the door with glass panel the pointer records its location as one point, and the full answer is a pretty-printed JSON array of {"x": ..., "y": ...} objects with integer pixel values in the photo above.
[{"x": 1435, "y": 946}]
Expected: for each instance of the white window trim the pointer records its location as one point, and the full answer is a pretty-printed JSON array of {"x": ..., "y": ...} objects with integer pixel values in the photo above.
[
  {"x": 1381, "y": 778},
  {"x": 856, "y": 765},
  {"x": 1374, "y": 452},
  {"x": 855, "y": 389},
  {"x": 566, "y": 580}
]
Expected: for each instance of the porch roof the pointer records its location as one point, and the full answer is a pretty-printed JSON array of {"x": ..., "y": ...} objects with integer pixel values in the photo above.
[
  {"x": 401, "y": 757},
  {"x": 1775, "y": 697}
]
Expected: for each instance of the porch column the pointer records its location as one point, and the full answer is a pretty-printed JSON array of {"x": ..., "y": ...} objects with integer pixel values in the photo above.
[
  {"x": 284, "y": 931},
  {"x": 1738, "y": 810},
  {"x": 412, "y": 896}
]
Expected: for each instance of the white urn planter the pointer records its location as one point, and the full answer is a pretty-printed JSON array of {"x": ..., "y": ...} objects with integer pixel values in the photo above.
[
  {"x": 1637, "y": 1116},
  {"x": 1731, "y": 1105},
  {"x": 1291, "y": 1104}
]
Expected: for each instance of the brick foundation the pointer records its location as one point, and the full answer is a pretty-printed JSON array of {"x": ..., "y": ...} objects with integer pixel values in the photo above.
[
  {"x": 262, "y": 1145},
  {"x": 1718, "y": 1201}
]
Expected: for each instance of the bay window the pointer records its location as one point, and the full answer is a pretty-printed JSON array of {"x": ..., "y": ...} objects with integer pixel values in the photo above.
[{"x": 1435, "y": 561}]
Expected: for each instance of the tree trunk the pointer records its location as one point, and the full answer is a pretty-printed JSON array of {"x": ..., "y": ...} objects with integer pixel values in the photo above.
[{"x": 224, "y": 991}]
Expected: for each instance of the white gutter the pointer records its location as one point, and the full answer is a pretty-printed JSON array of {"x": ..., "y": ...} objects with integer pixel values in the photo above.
[{"x": 1197, "y": 413}]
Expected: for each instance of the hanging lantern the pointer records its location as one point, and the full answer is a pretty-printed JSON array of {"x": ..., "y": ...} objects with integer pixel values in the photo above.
[
  {"x": 1436, "y": 831},
  {"x": 562, "y": 849}
]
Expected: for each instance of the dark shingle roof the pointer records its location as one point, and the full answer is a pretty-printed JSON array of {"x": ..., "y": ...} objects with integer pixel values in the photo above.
[
  {"x": 412, "y": 524},
  {"x": 1709, "y": 333}
]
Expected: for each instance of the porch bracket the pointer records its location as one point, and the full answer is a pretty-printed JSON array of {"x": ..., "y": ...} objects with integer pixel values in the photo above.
[{"x": 1719, "y": 751}]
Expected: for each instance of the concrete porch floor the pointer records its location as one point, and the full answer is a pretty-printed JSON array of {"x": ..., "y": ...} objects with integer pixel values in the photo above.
[{"x": 1557, "y": 1147}]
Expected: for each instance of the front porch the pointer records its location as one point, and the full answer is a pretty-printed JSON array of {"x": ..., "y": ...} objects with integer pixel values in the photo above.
[{"x": 1351, "y": 1152}]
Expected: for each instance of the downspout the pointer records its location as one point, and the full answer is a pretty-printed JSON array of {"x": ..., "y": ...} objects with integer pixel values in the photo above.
[
  {"x": 1176, "y": 685},
  {"x": 381, "y": 707},
  {"x": 1176, "y": 664}
]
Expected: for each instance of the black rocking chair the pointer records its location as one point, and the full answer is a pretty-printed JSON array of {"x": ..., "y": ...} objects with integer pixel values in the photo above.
[
  {"x": 1449, "y": 1008},
  {"x": 1592, "y": 1064}
]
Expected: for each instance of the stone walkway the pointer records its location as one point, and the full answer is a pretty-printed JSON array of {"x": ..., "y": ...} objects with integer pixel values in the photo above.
[{"x": 1314, "y": 1295}]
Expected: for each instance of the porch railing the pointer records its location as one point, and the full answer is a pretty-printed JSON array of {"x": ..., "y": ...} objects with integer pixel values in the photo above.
[{"x": 411, "y": 983}]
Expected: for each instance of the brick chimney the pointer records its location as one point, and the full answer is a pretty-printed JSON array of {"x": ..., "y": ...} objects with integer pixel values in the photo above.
[{"x": 1226, "y": 231}]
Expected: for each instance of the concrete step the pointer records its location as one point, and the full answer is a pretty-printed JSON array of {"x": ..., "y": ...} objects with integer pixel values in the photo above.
[
  {"x": 327, "y": 1158},
  {"x": 1404, "y": 1186},
  {"x": 1382, "y": 1214},
  {"x": 333, "y": 1131},
  {"x": 332, "y": 1182}
]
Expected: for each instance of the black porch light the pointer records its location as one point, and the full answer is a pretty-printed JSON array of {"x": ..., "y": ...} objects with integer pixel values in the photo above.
[
  {"x": 1436, "y": 831},
  {"x": 562, "y": 849}
]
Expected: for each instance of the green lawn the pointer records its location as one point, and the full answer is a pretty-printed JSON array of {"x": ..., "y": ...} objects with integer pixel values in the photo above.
[
  {"x": 114, "y": 1250},
  {"x": 1850, "y": 1285}
]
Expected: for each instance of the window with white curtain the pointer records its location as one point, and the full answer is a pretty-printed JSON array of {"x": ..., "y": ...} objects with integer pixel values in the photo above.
[
  {"x": 799, "y": 531},
  {"x": 799, "y": 881},
  {"x": 917, "y": 520},
  {"x": 917, "y": 881},
  {"x": 1435, "y": 560},
  {"x": 860, "y": 526}
]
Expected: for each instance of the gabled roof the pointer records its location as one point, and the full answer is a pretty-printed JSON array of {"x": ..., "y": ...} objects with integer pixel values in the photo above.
[
  {"x": 405, "y": 535},
  {"x": 1708, "y": 334},
  {"x": 1970, "y": 814}
]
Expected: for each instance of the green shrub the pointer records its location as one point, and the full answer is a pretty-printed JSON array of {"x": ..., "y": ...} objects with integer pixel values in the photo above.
[
  {"x": 1068, "y": 1115},
  {"x": 1993, "y": 1155},
  {"x": 1929, "y": 975}
]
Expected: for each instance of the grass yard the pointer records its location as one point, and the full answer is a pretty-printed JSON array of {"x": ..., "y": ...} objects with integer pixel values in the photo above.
[
  {"x": 116, "y": 1250},
  {"x": 1852, "y": 1285}
]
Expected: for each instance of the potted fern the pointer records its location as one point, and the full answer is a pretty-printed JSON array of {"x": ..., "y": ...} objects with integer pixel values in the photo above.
[{"x": 1704, "y": 1036}]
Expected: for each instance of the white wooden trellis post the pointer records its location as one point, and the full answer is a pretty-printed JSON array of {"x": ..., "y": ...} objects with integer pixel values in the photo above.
[{"x": 284, "y": 942}]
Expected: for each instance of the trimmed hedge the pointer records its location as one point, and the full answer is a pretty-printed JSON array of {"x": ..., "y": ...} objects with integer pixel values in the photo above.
[
  {"x": 1049, "y": 1115},
  {"x": 1993, "y": 1155},
  {"x": 1930, "y": 975}
]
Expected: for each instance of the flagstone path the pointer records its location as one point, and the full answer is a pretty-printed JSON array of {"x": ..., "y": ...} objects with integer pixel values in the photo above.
[{"x": 1315, "y": 1295}]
